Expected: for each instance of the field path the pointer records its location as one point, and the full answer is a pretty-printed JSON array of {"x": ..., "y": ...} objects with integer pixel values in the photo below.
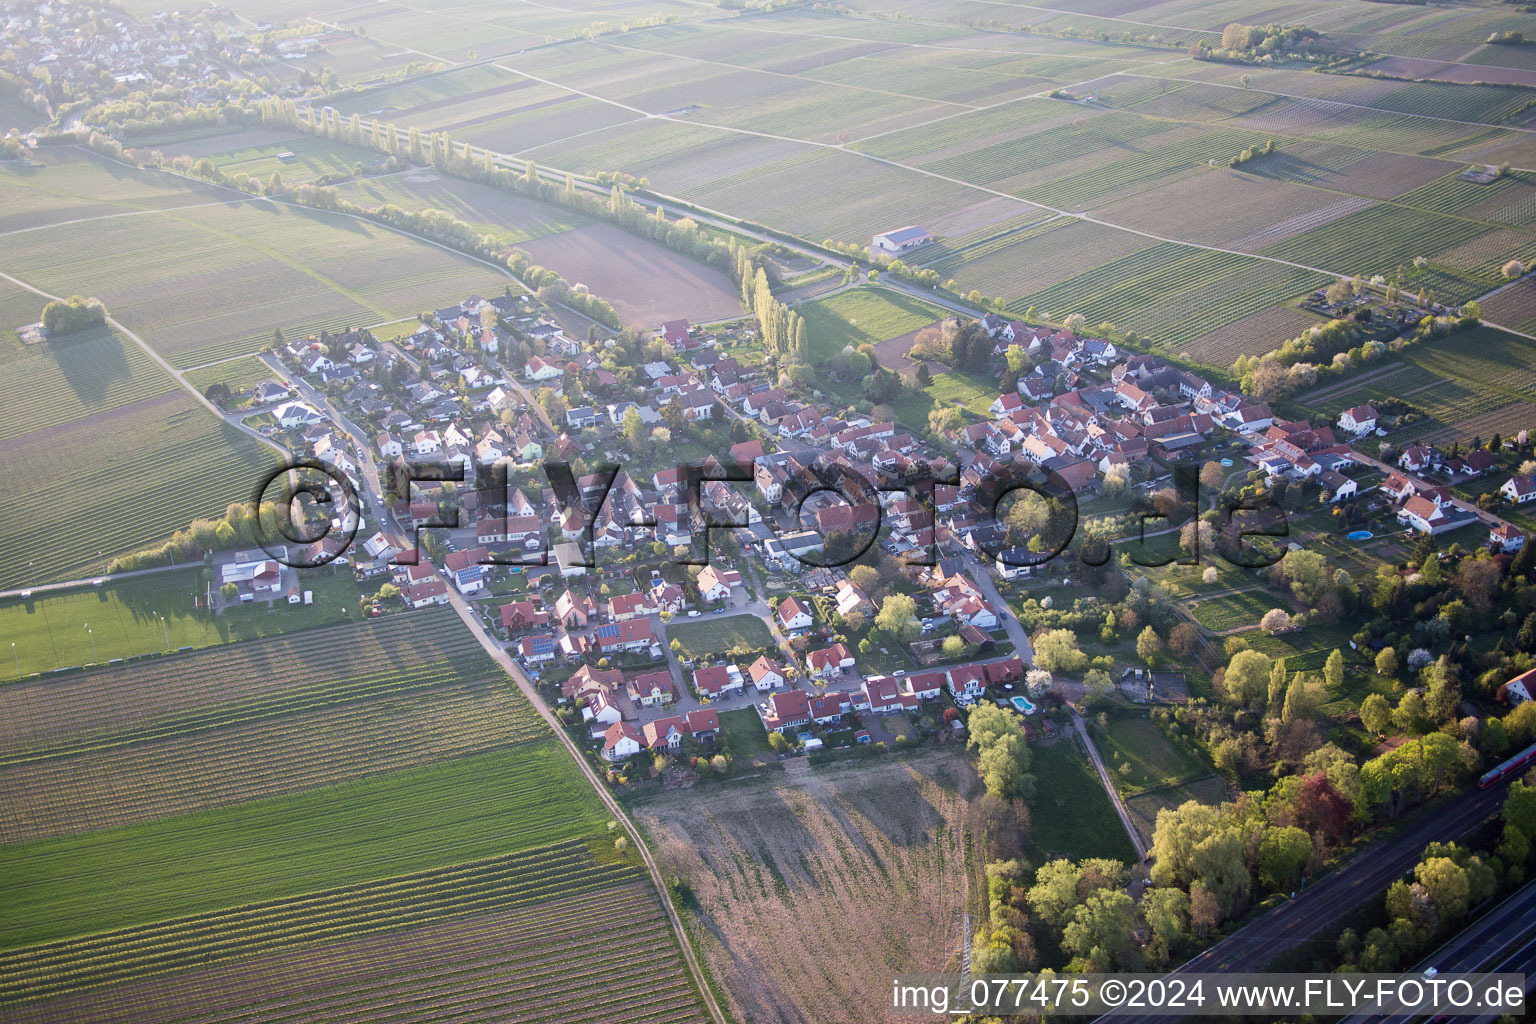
[
  {"x": 1109, "y": 787},
  {"x": 175, "y": 374},
  {"x": 492, "y": 647},
  {"x": 499, "y": 654}
]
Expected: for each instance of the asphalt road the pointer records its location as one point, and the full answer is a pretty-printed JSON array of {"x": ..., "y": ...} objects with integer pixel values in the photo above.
[
  {"x": 1365, "y": 877},
  {"x": 1479, "y": 944}
]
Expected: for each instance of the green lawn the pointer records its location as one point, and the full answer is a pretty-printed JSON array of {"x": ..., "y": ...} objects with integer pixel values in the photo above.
[
  {"x": 862, "y": 316},
  {"x": 480, "y": 806},
  {"x": 1153, "y": 759},
  {"x": 709, "y": 635},
  {"x": 124, "y": 618},
  {"x": 745, "y": 736},
  {"x": 1071, "y": 815}
]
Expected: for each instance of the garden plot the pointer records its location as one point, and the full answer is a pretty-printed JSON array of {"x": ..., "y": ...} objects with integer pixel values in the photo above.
[
  {"x": 919, "y": 73},
  {"x": 76, "y": 186},
  {"x": 148, "y": 459},
  {"x": 262, "y": 152},
  {"x": 862, "y": 316},
  {"x": 1022, "y": 262},
  {"x": 503, "y": 215},
  {"x": 1171, "y": 293},
  {"x": 834, "y": 194},
  {"x": 412, "y": 820},
  {"x": 645, "y": 281},
  {"x": 1414, "y": 67},
  {"x": 362, "y": 716},
  {"x": 1250, "y": 336},
  {"x": 1508, "y": 199},
  {"x": 1514, "y": 306},
  {"x": 1382, "y": 238},
  {"x": 979, "y": 130},
  {"x": 1061, "y": 150},
  {"x": 1162, "y": 158}
]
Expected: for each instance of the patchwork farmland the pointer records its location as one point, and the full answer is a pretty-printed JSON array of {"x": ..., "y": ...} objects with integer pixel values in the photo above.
[{"x": 365, "y": 808}]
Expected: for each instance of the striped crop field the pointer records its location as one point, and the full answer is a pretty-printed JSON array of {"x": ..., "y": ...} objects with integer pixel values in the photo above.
[
  {"x": 370, "y": 813},
  {"x": 1508, "y": 199},
  {"x": 1381, "y": 238},
  {"x": 1137, "y": 172},
  {"x": 288, "y": 714},
  {"x": 116, "y": 452},
  {"x": 165, "y": 697},
  {"x": 374, "y": 827},
  {"x": 210, "y": 281},
  {"x": 1172, "y": 294},
  {"x": 549, "y": 933}
]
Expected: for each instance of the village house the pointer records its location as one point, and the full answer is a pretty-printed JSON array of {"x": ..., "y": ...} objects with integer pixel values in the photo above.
[
  {"x": 1519, "y": 489},
  {"x": 784, "y": 711},
  {"x": 1506, "y": 538},
  {"x": 520, "y": 616},
  {"x": 793, "y": 616},
  {"x": 538, "y": 649},
  {"x": 627, "y": 606},
  {"x": 716, "y": 584},
  {"x": 829, "y": 661},
  {"x": 652, "y": 689},
  {"x": 1359, "y": 420},
  {"x": 635, "y": 635},
  {"x": 717, "y": 681},
  {"x": 766, "y": 675},
  {"x": 621, "y": 741}
]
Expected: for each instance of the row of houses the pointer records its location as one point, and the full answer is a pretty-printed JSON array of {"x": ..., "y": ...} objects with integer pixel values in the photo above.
[{"x": 881, "y": 694}]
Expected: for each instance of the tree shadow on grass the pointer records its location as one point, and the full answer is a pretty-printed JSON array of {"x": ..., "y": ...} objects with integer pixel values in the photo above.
[{"x": 91, "y": 361}]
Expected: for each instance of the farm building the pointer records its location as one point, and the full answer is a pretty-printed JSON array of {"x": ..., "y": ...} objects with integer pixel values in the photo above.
[{"x": 900, "y": 240}]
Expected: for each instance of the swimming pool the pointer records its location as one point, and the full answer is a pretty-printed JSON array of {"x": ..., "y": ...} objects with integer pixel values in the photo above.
[
  {"x": 1023, "y": 705},
  {"x": 1226, "y": 462},
  {"x": 1360, "y": 535}
]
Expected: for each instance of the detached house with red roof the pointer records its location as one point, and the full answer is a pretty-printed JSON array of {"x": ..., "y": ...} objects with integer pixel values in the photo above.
[
  {"x": 1519, "y": 489},
  {"x": 766, "y": 675},
  {"x": 784, "y": 711},
  {"x": 1359, "y": 420},
  {"x": 794, "y": 616},
  {"x": 634, "y": 635},
  {"x": 716, "y": 584},
  {"x": 627, "y": 606},
  {"x": 829, "y": 661},
  {"x": 621, "y": 741},
  {"x": 717, "y": 681},
  {"x": 652, "y": 689}
]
